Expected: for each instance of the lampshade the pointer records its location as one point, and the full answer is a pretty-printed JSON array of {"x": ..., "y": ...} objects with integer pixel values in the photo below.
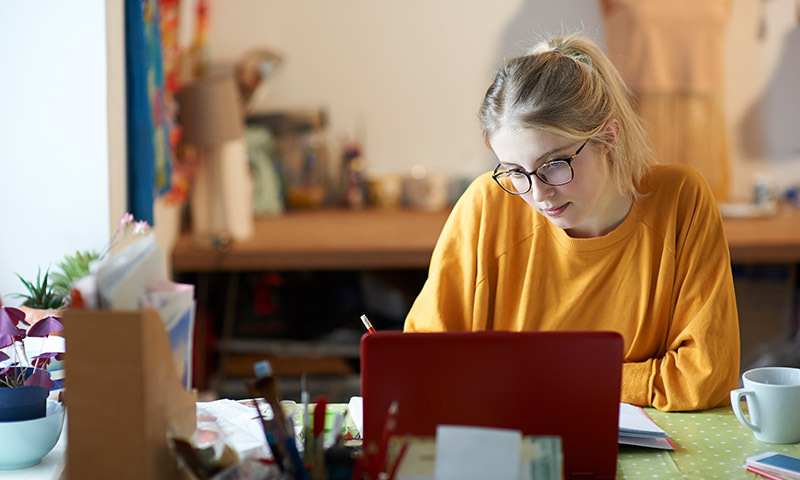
[{"x": 210, "y": 111}]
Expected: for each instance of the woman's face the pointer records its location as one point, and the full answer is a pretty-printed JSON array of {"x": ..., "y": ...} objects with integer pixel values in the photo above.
[{"x": 589, "y": 205}]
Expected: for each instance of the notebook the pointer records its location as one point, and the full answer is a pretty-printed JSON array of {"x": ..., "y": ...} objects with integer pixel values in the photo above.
[{"x": 542, "y": 383}]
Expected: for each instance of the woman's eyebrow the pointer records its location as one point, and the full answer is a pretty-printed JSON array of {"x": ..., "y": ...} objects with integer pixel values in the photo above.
[{"x": 546, "y": 154}]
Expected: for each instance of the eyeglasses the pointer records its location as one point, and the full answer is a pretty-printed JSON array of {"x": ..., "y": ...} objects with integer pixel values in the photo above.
[{"x": 554, "y": 173}]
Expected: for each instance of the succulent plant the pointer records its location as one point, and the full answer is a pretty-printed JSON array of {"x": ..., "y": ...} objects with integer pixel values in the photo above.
[
  {"x": 40, "y": 294},
  {"x": 73, "y": 267},
  {"x": 56, "y": 294}
]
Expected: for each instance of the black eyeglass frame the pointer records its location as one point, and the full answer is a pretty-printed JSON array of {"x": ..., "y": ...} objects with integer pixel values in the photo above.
[{"x": 567, "y": 160}]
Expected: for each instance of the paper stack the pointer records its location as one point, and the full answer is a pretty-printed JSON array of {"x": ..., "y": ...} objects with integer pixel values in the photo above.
[
  {"x": 135, "y": 278},
  {"x": 636, "y": 428}
]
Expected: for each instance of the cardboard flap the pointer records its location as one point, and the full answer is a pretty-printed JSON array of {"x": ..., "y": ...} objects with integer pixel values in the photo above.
[{"x": 123, "y": 396}]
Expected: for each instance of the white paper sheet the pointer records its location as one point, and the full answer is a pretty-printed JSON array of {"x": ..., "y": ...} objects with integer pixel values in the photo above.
[
  {"x": 634, "y": 422},
  {"x": 477, "y": 453},
  {"x": 356, "y": 408}
]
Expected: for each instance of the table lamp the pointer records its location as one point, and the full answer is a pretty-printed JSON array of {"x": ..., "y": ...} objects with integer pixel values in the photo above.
[{"x": 222, "y": 194}]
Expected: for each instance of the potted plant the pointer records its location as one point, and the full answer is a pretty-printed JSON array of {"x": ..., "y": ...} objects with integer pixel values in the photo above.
[
  {"x": 76, "y": 266},
  {"x": 73, "y": 267},
  {"x": 47, "y": 296},
  {"x": 41, "y": 299},
  {"x": 24, "y": 381}
]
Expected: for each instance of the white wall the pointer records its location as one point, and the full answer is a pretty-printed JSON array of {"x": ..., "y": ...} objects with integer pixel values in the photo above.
[
  {"x": 414, "y": 72},
  {"x": 411, "y": 74},
  {"x": 762, "y": 94},
  {"x": 61, "y": 132}
]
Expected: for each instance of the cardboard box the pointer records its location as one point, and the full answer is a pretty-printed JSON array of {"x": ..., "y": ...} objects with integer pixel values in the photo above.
[{"x": 123, "y": 396}]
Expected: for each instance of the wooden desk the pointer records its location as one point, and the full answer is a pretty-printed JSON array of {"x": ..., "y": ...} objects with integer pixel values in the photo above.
[
  {"x": 403, "y": 239},
  {"x": 709, "y": 444}
]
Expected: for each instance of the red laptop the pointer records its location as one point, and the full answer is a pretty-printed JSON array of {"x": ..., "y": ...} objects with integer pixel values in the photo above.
[{"x": 542, "y": 383}]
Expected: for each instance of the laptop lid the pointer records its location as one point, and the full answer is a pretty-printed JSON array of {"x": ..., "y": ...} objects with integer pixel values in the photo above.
[{"x": 542, "y": 383}]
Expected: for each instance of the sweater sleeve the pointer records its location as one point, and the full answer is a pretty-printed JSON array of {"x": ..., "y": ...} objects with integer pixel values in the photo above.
[
  {"x": 701, "y": 361},
  {"x": 446, "y": 301}
]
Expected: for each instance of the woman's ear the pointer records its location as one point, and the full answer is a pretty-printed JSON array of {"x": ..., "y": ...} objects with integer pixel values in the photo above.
[{"x": 611, "y": 132}]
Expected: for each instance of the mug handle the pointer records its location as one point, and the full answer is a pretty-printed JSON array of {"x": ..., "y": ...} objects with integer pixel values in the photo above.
[{"x": 736, "y": 403}]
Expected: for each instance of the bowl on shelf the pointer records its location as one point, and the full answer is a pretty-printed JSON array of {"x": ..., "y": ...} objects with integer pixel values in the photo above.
[{"x": 27, "y": 441}]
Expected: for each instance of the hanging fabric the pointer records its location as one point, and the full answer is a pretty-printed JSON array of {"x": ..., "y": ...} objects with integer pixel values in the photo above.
[{"x": 148, "y": 134}]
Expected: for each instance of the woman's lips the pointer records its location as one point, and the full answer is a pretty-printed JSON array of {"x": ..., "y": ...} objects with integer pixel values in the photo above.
[{"x": 554, "y": 212}]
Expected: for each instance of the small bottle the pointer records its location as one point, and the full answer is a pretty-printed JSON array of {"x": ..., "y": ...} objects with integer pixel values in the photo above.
[
  {"x": 763, "y": 191},
  {"x": 353, "y": 177}
]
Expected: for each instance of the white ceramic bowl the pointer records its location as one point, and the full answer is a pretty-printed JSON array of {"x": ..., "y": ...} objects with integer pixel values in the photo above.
[{"x": 26, "y": 442}]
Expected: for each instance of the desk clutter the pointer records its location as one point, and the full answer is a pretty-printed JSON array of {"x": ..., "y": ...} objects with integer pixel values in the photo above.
[{"x": 266, "y": 438}]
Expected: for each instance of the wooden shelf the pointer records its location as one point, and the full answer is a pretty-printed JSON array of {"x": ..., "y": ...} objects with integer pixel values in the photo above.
[
  {"x": 772, "y": 239},
  {"x": 404, "y": 239},
  {"x": 321, "y": 240}
]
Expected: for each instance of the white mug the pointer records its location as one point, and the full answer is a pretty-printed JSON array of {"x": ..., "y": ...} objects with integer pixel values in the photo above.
[{"x": 773, "y": 401}]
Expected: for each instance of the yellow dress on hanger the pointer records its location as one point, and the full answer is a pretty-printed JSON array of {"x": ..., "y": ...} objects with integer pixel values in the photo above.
[{"x": 671, "y": 56}]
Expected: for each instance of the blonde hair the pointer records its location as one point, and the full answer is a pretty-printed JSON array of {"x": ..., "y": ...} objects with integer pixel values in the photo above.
[{"x": 566, "y": 85}]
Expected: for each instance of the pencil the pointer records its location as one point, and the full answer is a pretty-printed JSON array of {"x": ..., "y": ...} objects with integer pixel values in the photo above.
[
  {"x": 367, "y": 324},
  {"x": 388, "y": 431},
  {"x": 398, "y": 461}
]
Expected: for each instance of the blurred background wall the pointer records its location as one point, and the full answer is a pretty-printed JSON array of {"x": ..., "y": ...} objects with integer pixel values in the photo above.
[
  {"x": 403, "y": 78},
  {"x": 406, "y": 78}
]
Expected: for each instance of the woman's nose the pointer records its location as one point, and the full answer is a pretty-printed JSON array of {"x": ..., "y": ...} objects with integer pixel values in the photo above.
[{"x": 540, "y": 190}]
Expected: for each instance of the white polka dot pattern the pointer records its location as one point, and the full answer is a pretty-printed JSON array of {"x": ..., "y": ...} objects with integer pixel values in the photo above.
[{"x": 708, "y": 445}]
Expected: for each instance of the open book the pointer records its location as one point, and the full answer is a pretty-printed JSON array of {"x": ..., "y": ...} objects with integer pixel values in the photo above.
[{"x": 636, "y": 428}]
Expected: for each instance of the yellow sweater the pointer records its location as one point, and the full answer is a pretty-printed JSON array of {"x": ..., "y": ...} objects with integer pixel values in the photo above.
[{"x": 662, "y": 279}]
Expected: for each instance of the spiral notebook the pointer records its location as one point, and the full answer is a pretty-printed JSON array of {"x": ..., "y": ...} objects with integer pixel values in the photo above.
[{"x": 542, "y": 383}]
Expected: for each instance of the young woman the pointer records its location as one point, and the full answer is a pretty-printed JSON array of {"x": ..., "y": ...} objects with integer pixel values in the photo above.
[{"x": 576, "y": 230}]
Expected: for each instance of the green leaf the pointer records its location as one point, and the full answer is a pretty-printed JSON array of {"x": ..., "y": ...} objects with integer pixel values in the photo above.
[
  {"x": 73, "y": 267},
  {"x": 40, "y": 294}
]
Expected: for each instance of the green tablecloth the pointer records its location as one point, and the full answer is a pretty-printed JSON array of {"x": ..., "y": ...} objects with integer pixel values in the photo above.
[{"x": 709, "y": 444}]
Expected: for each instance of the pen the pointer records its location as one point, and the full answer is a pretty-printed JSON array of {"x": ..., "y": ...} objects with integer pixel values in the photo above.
[
  {"x": 367, "y": 324},
  {"x": 318, "y": 465},
  {"x": 319, "y": 416},
  {"x": 398, "y": 460},
  {"x": 307, "y": 435},
  {"x": 388, "y": 430}
]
